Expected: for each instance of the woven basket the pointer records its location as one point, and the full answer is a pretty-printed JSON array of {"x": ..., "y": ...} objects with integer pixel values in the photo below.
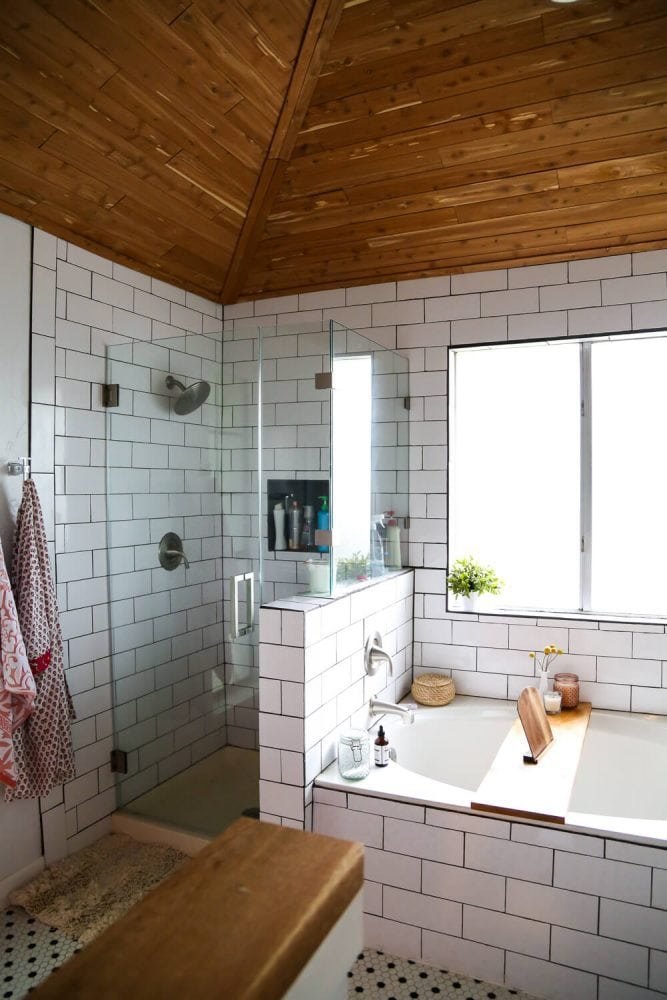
[{"x": 432, "y": 689}]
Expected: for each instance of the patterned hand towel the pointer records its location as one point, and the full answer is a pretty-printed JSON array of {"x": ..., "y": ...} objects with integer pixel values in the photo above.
[
  {"x": 17, "y": 686},
  {"x": 43, "y": 746}
]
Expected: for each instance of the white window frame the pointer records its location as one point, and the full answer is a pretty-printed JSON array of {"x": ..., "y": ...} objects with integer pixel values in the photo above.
[{"x": 586, "y": 469}]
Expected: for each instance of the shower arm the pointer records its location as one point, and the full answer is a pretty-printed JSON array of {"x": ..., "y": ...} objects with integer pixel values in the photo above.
[{"x": 181, "y": 555}]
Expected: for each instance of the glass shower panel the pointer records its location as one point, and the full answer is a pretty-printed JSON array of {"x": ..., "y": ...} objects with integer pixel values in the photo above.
[
  {"x": 164, "y": 557},
  {"x": 370, "y": 458},
  {"x": 294, "y": 439},
  {"x": 241, "y": 434}
]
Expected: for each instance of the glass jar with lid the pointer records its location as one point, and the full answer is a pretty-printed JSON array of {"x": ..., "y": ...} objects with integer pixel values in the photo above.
[{"x": 354, "y": 754}]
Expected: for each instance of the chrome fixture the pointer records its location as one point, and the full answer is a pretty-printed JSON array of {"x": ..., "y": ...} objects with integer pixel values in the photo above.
[
  {"x": 190, "y": 398},
  {"x": 248, "y": 579},
  {"x": 375, "y": 655},
  {"x": 378, "y": 707},
  {"x": 20, "y": 467},
  {"x": 171, "y": 552}
]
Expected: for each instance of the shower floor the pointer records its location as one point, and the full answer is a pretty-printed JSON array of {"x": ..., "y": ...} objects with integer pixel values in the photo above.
[{"x": 207, "y": 797}]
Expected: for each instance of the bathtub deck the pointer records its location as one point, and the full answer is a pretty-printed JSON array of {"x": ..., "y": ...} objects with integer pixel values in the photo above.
[{"x": 539, "y": 791}]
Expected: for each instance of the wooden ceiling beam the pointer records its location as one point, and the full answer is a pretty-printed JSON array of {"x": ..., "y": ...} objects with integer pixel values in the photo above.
[{"x": 317, "y": 38}]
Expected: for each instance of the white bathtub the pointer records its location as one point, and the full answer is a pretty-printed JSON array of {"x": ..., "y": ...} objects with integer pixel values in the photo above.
[{"x": 442, "y": 758}]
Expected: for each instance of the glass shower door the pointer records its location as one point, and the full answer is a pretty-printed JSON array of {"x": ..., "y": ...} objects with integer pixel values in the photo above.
[{"x": 164, "y": 558}]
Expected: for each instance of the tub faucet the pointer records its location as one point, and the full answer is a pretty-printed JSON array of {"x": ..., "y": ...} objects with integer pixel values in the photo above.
[{"x": 378, "y": 707}]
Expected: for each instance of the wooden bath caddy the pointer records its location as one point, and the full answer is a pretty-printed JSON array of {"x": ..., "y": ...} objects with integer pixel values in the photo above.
[{"x": 515, "y": 788}]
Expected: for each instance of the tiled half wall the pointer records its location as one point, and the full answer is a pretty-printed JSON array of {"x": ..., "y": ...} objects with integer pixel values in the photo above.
[
  {"x": 313, "y": 684},
  {"x": 622, "y": 666},
  {"x": 559, "y": 914}
]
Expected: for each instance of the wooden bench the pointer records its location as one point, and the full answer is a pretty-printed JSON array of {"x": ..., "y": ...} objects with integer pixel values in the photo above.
[{"x": 240, "y": 920}]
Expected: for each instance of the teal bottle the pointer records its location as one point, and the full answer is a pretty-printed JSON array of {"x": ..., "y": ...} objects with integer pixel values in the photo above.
[{"x": 323, "y": 520}]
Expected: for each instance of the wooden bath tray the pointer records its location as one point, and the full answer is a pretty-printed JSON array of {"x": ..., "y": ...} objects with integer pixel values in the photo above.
[{"x": 543, "y": 792}]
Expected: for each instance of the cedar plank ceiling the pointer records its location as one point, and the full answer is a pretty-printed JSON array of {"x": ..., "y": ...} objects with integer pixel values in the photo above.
[
  {"x": 148, "y": 130},
  {"x": 446, "y": 136},
  {"x": 245, "y": 148}
]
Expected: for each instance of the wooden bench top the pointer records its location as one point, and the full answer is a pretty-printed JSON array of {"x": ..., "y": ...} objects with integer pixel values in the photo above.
[{"x": 239, "y": 920}]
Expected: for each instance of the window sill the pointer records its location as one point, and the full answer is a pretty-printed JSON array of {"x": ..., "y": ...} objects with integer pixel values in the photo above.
[{"x": 523, "y": 614}]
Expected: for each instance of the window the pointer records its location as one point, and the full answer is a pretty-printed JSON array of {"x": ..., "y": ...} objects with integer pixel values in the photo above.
[
  {"x": 556, "y": 475},
  {"x": 351, "y": 414}
]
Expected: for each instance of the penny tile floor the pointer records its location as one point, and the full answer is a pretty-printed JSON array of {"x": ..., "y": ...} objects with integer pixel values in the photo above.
[{"x": 30, "y": 951}]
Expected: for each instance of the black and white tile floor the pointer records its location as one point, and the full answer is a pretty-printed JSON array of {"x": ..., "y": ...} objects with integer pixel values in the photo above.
[
  {"x": 30, "y": 951},
  {"x": 378, "y": 976}
]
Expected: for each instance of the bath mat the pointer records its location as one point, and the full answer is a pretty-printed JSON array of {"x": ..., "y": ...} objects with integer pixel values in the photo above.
[{"x": 85, "y": 893}]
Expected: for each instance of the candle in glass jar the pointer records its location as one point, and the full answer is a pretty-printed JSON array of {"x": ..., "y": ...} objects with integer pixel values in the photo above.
[
  {"x": 568, "y": 685},
  {"x": 552, "y": 702}
]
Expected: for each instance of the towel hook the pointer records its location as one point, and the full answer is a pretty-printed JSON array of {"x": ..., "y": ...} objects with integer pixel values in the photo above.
[{"x": 20, "y": 467}]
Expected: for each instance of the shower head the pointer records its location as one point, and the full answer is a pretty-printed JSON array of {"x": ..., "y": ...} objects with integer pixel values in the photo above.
[{"x": 190, "y": 398}]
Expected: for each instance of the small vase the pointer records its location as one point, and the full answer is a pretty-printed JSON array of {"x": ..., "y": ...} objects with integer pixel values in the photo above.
[
  {"x": 544, "y": 682},
  {"x": 469, "y": 603}
]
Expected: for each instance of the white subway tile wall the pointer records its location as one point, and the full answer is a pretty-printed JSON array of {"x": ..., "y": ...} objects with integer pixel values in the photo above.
[
  {"x": 463, "y": 891},
  {"x": 623, "y": 666},
  {"x": 165, "y": 630},
  {"x": 313, "y": 685}
]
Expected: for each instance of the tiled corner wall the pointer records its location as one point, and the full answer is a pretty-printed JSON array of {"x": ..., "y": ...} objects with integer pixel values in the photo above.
[
  {"x": 82, "y": 305},
  {"x": 313, "y": 684},
  {"x": 622, "y": 666},
  {"x": 559, "y": 914}
]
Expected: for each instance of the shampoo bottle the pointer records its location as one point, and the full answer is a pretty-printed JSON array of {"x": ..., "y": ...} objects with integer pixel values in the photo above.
[
  {"x": 294, "y": 525},
  {"x": 323, "y": 520},
  {"x": 381, "y": 749},
  {"x": 279, "y": 522}
]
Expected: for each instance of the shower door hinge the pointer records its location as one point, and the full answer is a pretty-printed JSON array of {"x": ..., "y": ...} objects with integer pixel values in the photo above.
[
  {"x": 406, "y": 402},
  {"x": 118, "y": 761},
  {"x": 110, "y": 394},
  {"x": 323, "y": 380}
]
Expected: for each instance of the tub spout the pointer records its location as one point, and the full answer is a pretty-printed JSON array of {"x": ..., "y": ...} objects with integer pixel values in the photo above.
[{"x": 378, "y": 707}]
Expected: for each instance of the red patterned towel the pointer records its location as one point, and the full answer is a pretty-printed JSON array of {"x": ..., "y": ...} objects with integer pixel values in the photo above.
[
  {"x": 17, "y": 687},
  {"x": 43, "y": 746}
]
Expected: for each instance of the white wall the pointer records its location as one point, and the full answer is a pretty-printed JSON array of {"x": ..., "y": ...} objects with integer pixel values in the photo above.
[
  {"x": 20, "y": 834},
  {"x": 622, "y": 666}
]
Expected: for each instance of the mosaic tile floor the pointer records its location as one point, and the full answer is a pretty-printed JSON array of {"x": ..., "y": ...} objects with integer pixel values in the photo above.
[
  {"x": 29, "y": 951},
  {"x": 379, "y": 976}
]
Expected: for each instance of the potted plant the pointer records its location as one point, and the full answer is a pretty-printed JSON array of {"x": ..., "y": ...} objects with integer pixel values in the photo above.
[{"x": 468, "y": 579}]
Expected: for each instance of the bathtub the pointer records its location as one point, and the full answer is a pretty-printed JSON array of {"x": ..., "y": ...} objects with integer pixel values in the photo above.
[
  {"x": 560, "y": 910},
  {"x": 442, "y": 758}
]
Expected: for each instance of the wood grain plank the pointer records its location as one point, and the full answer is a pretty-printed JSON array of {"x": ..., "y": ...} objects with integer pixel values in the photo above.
[
  {"x": 594, "y": 17},
  {"x": 430, "y": 58},
  {"x": 317, "y": 38},
  {"x": 264, "y": 285},
  {"x": 540, "y": 791},
  {"x": 139, "y": 64},
  {"x": 293, "y": 216},
  {"x": 578, "y": 52},
  {"x": 443, "y": 25},
  {"x": 613, "y": 72},
  {"x": 263, "y": 898}
]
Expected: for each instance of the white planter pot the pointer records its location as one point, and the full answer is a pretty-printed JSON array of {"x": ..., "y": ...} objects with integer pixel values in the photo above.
[{"x": 469, "y": 603}]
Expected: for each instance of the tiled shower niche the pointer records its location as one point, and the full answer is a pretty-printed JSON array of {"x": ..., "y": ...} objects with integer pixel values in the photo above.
[{"x": 307, "y": 493}]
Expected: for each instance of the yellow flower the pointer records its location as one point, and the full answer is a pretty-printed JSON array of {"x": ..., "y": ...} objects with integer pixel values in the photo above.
[
  {"x": 532, "y": 656},
  {"x": 547, "y": 650},
  {"x": 560, "y": 652}
]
